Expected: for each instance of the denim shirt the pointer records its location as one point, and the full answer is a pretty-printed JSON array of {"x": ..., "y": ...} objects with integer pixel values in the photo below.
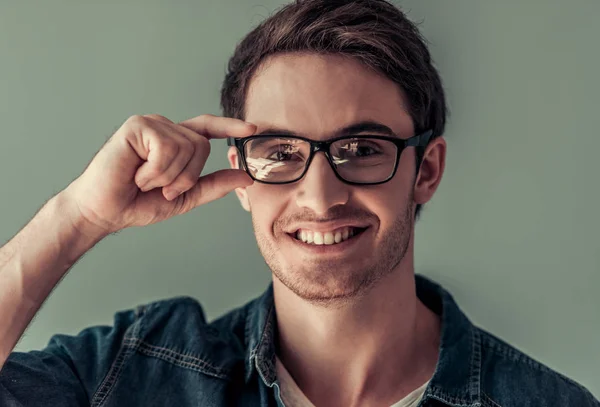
[{"x": 166, "y": 354}]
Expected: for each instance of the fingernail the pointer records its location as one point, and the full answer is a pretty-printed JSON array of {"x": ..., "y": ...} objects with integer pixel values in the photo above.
[
  {"x": 172, "y": 194},
  {"x": 147, "y": 187},
  {"x": 143, "y": 183}
]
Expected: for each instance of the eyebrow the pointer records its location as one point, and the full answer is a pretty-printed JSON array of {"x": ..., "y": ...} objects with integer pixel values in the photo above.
[{"x": 354, "y": 128}]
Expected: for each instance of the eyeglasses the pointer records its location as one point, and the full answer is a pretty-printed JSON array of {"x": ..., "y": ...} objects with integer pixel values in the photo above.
[{"x": 355, "y": 160}]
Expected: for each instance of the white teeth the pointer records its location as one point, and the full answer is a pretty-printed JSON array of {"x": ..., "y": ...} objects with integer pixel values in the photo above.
[
  {"x": 327, "y": 238},
  {"x": 338, "y": 237}
]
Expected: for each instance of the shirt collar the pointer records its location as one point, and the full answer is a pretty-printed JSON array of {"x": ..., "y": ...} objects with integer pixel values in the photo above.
[
  {"x": 457, "y": 377},
  {"x": 261, "y": 334}
]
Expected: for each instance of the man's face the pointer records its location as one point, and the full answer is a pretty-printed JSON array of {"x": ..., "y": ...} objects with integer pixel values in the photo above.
[{"x": 313, "y": 96}]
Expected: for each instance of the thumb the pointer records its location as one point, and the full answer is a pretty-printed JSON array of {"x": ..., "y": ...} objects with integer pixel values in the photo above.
[{"x": 214, "y": 186}]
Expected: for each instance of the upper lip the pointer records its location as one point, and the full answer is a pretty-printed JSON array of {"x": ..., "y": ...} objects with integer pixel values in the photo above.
[{"x": 326, "y": 226}]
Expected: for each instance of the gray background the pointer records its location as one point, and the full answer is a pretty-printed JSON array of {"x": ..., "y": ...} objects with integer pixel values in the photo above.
[{"x": 512, "y": 231}]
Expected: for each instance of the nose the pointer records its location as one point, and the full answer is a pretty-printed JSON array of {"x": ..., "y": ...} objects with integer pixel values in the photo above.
[{"x": 320, "y": 189}]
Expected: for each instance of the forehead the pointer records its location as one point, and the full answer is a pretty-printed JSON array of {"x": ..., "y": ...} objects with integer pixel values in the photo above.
[{"x": 314, "y": 95}]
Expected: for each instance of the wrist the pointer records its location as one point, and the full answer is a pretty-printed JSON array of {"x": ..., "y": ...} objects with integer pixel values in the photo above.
[{"x": 88, "y": 232}]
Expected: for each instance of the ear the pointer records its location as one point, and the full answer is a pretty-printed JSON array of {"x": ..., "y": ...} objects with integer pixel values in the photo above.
[
  {"x": 242, "y": 194},
  {"x": 431, "y": 171}
]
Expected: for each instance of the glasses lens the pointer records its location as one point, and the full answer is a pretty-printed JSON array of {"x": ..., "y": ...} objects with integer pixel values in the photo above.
[
  {"x": 276, "y": 159},
  {"x": 364, "y": 160}
]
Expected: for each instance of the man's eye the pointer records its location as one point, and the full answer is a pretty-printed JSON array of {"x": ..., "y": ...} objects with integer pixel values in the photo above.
[
  {"x": 280, "y": 156},
  {"x": 285, "y": 153},
  {"x": 364, "y": 151},
  {"x": 358, "y": 149}
]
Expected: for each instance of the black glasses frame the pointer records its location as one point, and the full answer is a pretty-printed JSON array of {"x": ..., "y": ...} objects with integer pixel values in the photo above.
[{"x": 419, "y": 140}]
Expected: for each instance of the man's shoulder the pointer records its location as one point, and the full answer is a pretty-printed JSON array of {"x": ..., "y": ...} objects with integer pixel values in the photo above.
[
  {"x": 175, "y": 331},
  {"x": 509, "y": 376},
  {"x": 182, "y": 319}
]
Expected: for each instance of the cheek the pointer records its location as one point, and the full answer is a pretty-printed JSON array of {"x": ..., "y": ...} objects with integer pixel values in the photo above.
[
  {"x": 267, "y": 202},
  {"x": 388, "y": 201},
  {"x": 384, "y": 206}
]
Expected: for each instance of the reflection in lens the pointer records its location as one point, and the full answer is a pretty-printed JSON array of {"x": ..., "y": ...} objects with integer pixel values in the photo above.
[
  {"x": 338, "y": 160},
  {"x": 276, "y": 159},
  {"x": 261, "y": 167}
]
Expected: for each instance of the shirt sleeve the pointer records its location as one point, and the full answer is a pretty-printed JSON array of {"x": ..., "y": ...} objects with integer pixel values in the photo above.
[{"x": 68, "y": 371}]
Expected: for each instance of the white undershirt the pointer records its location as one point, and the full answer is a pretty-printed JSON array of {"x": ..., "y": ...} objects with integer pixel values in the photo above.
[{"x": 292, "y": 396}]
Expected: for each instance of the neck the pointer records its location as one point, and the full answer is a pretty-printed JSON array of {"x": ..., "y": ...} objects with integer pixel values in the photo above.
[{"x": 374, "y": 351}]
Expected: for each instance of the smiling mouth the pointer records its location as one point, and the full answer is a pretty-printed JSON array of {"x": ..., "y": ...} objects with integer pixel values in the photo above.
[{"x": 327, "y": 238}]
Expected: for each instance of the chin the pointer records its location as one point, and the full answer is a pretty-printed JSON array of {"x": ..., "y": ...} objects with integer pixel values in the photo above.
[{"x": 327, "y": 286}]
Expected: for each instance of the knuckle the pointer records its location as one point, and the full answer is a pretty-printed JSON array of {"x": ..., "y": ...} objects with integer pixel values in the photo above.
[
  {"x": 207, "y": 119},
  {"x": 158, "y": 117},
  {"x": 136, "y": 120}
]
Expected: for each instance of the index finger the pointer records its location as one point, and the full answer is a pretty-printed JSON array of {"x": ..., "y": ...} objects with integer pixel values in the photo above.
[{"x": 211, "y": 126}]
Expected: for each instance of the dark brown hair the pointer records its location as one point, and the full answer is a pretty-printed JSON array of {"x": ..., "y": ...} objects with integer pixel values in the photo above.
[{"x": 374, "y": 32}]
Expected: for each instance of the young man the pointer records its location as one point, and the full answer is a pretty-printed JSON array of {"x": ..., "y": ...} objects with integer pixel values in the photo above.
[{"x": 341, "y": 145}]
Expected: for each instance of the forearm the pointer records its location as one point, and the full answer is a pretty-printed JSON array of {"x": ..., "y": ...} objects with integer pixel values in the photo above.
[{"x": 33, "y": 262}]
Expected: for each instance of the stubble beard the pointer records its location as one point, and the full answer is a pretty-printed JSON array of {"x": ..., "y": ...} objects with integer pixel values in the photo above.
[{"x": 334, "y": 283}]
